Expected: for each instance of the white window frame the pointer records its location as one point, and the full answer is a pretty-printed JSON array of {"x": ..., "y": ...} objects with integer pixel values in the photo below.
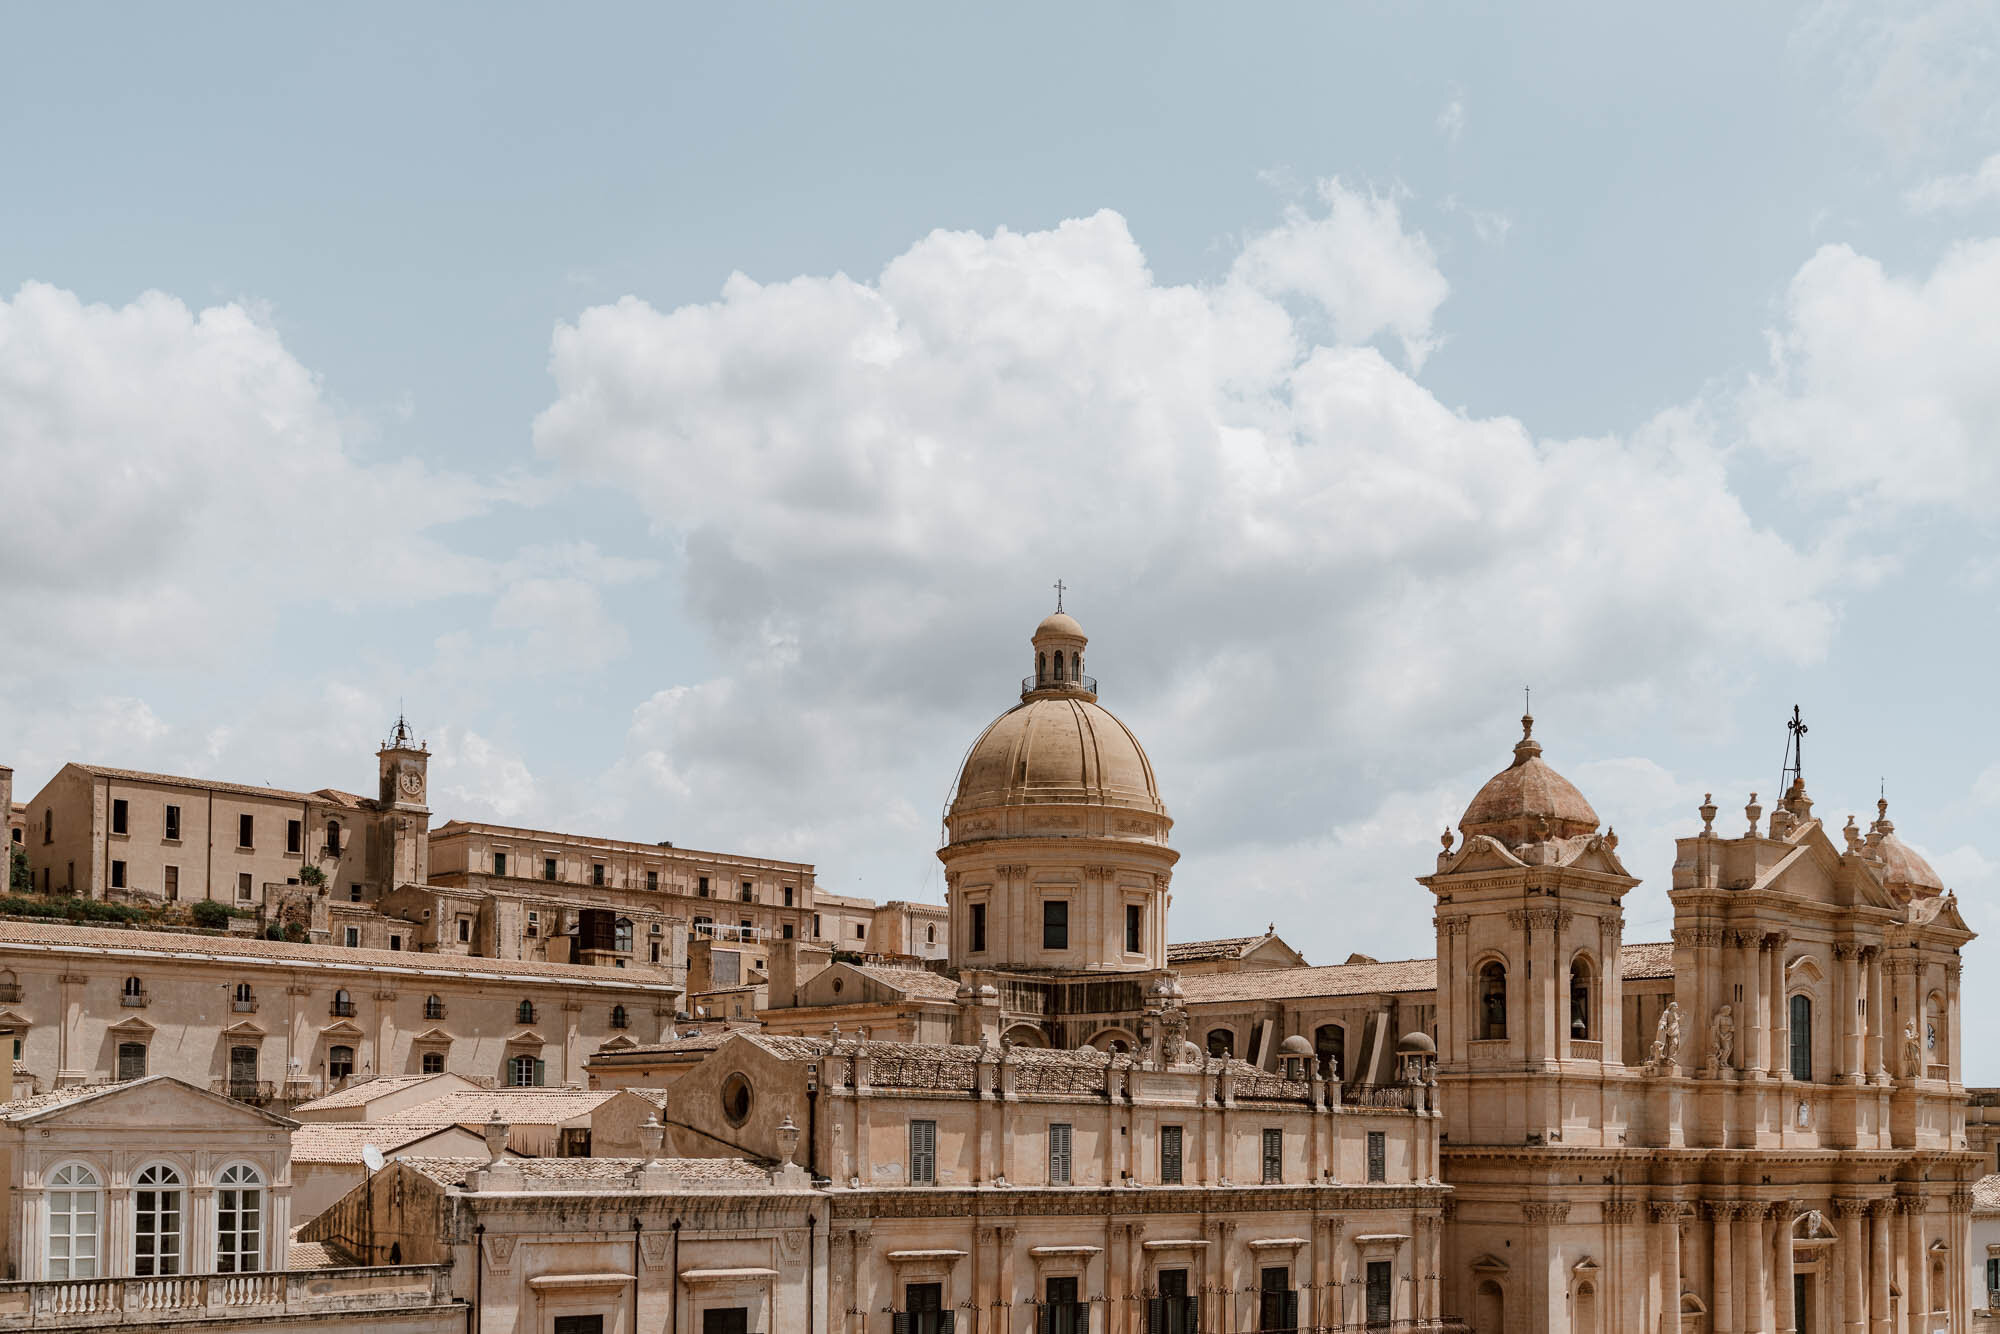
[
  {"x": 239, "y": 1220},
  {"x": 169, "y": 1221},
  {"x": 70, "y": 1184}
]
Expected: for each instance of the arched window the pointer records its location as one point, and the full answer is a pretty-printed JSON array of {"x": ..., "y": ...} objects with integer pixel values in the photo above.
[
  {"x": 74, "y": 1199},
  {"x": 623, "y": 935},
  {"x": 521, "y": 1072},
  {"x": 1221, "y": 1042},
  {"x": 1489, "y": 1308},
  {"x": 339, "y": 1062},
  {"x": 131, "y": 1061},
  {"x": 1493, "y": 1000},
  {"x": 433, "y": 1007},
  {"x": 1330, "y": 1044},
  {"x": 619, "y": 1018},
  {"x": 239, "y": 1220},
  {"x": 333, "y": 838},
  {"x": 343, "y": 1003},
  {"x": 1801, "y": 1014},
  {"x": 1937, "y": 1042},
  {"x": 1041, "y": 674},
  {"x": 134, "y": 988},
  {"x": 156, "y": 1221},
  {"x": 525, "y": 1012},
  {"x": 433, "y": 1063},
  {"x": 1059, "y": 670},
  {"x": 1579, "y": 1000},
  {"x": 930, "y": 934},
  {"x": 1585, "y": 1319}
]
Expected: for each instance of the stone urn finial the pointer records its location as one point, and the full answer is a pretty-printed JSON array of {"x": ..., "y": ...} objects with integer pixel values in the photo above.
[
  {"x": 652, "y": 1138},
  {"x": 788, "y": 1139},
  {"x": 1753, "y": 810},
  {"x": 1707, "y": 812},
  {"x": 497, "y": 1131}
]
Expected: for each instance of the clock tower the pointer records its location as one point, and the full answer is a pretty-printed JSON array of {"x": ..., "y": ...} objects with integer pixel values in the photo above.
[{"x": 403, "y": 764}]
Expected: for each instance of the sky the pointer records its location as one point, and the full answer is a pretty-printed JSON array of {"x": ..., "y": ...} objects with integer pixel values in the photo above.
[{"x": 683, "y": 413}]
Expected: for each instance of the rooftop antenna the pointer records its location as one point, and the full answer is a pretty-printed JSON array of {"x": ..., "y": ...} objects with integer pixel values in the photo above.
[
  {"x": 1059, "y": 592},
  {"x": 1795, "y": 741}
]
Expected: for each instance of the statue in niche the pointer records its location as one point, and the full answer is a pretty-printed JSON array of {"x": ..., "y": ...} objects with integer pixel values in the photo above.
[
  {"x": 1667, "y": 1036},
  {"x": 1722, "y": 1040},
  {"x": 1913, "y": 1050}
]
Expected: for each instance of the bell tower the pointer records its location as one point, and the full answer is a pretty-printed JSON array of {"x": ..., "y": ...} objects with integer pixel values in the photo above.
[{"x": 403, "y": 764}]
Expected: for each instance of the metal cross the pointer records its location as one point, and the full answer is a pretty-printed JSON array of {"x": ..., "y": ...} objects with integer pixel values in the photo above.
[
  {"x": 1059, "y": 592},
  {"x": 1798, "y": 730}
]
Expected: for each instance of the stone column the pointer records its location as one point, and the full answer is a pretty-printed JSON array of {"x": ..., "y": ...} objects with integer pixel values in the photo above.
[
  {"x": 1882, "y": 1214},
  {"x": 1851, "y": 1054},
  {"x": 1781, "y": 1055},
  {"x": 1783, "y": 1274},
  {"x": 1722, "y": 1275},
  {"x": 1755, "y": 1251},
  {"x": 1663, "y": 1283},
  {"x": 1916, "y": 1291},
  {"x": 1876, "y": 1070},
  {"x": 1750, "y": 947},
  {"x": 1853, "y": 1255},
  {"x": 1954, "y": 1050}
]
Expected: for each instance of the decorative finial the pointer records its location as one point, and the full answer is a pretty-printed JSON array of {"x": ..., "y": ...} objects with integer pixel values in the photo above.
[
  {"x": 1445, "y": 838},
  {"x": 1611, "y": 837},
  {"x": 1753, "y": 810},
  {"x": 1059, "y": 593},
  {"x": 1853, "y": 833},
  {"x": 1707, "y": 812}
]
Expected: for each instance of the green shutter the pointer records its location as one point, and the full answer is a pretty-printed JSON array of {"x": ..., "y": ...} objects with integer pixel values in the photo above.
[{"x": 541, "y": 1073}]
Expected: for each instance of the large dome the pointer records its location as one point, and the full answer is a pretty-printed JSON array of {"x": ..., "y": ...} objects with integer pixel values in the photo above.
[
  {"x": 1904, "y": 869},
  {"x": 1061, "y": 749},
  {"x": 1517, "y": 801}
]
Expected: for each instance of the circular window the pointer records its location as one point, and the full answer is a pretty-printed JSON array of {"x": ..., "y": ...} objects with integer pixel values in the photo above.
[{"x": 736, "y": 1099}]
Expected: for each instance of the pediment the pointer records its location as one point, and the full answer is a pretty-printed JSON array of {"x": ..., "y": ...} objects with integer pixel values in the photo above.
[
  {"x": 245, "y": 1028},
  {"x": 135, "y": 1027},
  {"x": 1806, "y": 966},
  {"x": 1489, "y": 1264},
  {"x": 342, "y": 1031},
  {"x": 619, "y": 1043},
  {"x": 160, "y": 1101},
  {"x": 14, "y": 1019},
  {"x": 1812, "y": 1226},
  {"x": 432, "y": 1037},
  {"x": 527, "y": 1037},
  {"x": 1481, "y": 852},
  {"x": 1598, "y": 855},
  {"x": 1584, "y": 1267}
]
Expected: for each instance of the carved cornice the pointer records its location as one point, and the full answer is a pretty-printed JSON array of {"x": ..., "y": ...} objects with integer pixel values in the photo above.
[{"x": 961, "y": 1203}]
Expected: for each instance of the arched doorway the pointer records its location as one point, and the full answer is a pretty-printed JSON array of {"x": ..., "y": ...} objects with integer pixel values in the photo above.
[{"x": 1489, "y": 1309}]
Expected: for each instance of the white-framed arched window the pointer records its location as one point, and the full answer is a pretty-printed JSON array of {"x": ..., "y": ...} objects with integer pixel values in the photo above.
[
  {"x": 159, "y": 1220},
  {"x": 521, "y": 1072},
  {"x": 75, "y": 1198},
  {"x": 239, "y": 1220}
]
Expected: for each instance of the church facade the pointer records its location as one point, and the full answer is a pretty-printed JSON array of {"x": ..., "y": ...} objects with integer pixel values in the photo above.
[{"x": 1759, "y": 1126}]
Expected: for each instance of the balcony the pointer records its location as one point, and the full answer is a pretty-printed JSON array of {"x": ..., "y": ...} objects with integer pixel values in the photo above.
[
  {"x": 923, "y": 1322},
  {"x": 723, "y": 931},
  {"x": 1078, "y": 682},
  {"x": 256, "y": 1092},
  {"x": 243, "y": 1006},
  {"x": 433, "y": 1009},
  {"x": 10, "y": 993},
  {"x": 133, "y": 1000},
  {"x": 139, "y": 1303},
  {"x": 1173, "y": 1315},
  {"x": 1580, "y": 1050},
  {"x": 343, "y": 1009}
]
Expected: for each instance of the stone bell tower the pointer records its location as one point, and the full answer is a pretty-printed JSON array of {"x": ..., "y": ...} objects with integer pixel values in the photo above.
[{"x": 403, "y": 764}]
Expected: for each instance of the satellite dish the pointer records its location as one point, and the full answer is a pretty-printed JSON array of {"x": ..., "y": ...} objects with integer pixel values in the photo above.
[{"x": 373, "y": 1157}]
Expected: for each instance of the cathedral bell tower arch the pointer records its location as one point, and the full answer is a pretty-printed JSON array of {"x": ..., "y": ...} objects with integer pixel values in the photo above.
[{"x": 403, "y": 768}]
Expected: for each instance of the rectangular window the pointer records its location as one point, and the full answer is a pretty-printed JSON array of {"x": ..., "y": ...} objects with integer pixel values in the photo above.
[
  {"x": 1992, "y": 1273},
  {"x": 548, "y": 868},
  {"x": 815, "y": 921},
  {"x": 597, "y": 873},
  {"x": 923, "y": 1153},
  {"x": 1274, "y": 1155},
  {"x": 395, "y": 942},
  {"x": 1059, "y": 1140},
  {"x": 243, "y": 887},
  {"x": 354, "y": 893},
  {"x": 354, "y": 937},
  {"x": 979, "y": 928},
  {"x": 1801, "y": 1017},
  {"x": 1062, "y": 1313},
  {"x": 1381, "y": 1292},
  {"x": 652, "y": 880},
  {"x": 465, "y": 928},
  {"x": 579, "y": 1324},
  {"x": 1378, "y": 1156},
  {"x": 787, "y": 930},
  {"x": 1277, "y": 1303},
  {"x": 118, "y": 815},
  {"x": 1170, "y": 1155},
  {"x": 174, "y": 823},
  {"x": 246, "y": 831},
  {"x": 718, "y": 1320},
  {"x": 171, "y": 885},
  {"x": 118, "y": 875},
  {"x": 747, "y": 895},
  {"x": 1055, "y": 924},
  {"x": 860, "y": 931},
  {"x": 1135, "y": 917},
  {"x": 499, "y": 863},
  {"x": 788, "y": 896},
  {"x": 923, "y": 1310},
  {"x": 295, "y": 835},
  {"x": 701, "y": 886}
]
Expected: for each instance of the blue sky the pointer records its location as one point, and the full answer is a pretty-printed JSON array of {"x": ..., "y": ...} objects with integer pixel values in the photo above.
[{"x": 683, "y": 412}]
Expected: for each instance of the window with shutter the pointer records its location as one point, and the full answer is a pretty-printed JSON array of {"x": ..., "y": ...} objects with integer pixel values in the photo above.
[
  {"x": 1059, "y": 1154},
  {"x": 1381, "y": 1291},
  {"x": 923, "y": 1153},
  {"x": 1274, "y": 1155},
  {"x": 1378, "y": 1155},
  {"x": 1277, "y": 1303},
  {"x": 1801, "y": 1016},
  {"x": 1170, "y": 1155}
]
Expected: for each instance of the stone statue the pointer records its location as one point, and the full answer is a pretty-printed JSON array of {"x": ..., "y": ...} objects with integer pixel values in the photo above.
[
  {"x": 1667, "y": 1036},
  {"x": 1913, "y": 1050},
  {"x": 1722, "y": 1040}
]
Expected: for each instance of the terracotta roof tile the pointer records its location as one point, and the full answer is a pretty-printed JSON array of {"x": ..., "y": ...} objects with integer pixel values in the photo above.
[
  {"x": 311, "y": 1255},
  {"x": 521, "y": 1107},
  {"x": 77, "y": 936},
  {"x": 916, "y": 983},
  {"x": 341, "y": 1142},
  {"x": 1986, "y": 1195},
  {"x": 204, "y": 784},
  {"x": 1647, "y": 960},
  {"x": 363, "y": 1093},
  {"x": 1201, "y": 951}
]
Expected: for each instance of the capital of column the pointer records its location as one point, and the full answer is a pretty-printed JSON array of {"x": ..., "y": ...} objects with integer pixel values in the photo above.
[
  {"x": 1664, "y": 1211},
  {"x": 1845, "y": 949},
  {"x": 1545, "y": 1211},
  {"x": 1621, "y": 1211},
  {"x": 1720, "y": 1211},
  {"x": 1848, "y": 1207},
  {"x": 1881, "y": 1208}
]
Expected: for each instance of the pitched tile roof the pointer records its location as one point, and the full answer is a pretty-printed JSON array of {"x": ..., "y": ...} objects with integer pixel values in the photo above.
[
  {"x": 1652, "y": 959},
  {"x": 311, "y": 1255},
  {"x": 916, "y": 983},
  {"x": 517, "y": 1106},
  {"x": 1986, "y": 1195},
  {"x": 363, "y": 1093},
  {"x": 40, "y": 1104},
  {"x": 705, "y": 1041},
  {"x": 67, "y": 937},
  {"x": 204, "y": 784},
  {"x": 564, "y": 1173},
  {"x": 1202, "y": 951},
  {"x": 341, "y": 1142}
]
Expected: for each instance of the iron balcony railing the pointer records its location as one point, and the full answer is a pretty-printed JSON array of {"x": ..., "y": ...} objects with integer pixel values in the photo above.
[{"x": 1075, "y": 682}]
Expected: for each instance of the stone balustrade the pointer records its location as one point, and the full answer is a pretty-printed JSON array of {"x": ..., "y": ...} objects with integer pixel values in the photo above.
[{"x": 97, "y": 1303}]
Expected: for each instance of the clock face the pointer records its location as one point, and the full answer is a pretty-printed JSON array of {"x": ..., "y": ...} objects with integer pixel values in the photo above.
[{"x": 413, "y": 782}]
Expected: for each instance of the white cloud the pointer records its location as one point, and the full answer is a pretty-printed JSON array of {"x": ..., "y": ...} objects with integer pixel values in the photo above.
[
  {"x": 865, "y": 477},
  {"x": 1881, "y": 389},
  {"x": 472, "y": 777},
  {"x": 1957, "y": 192},
  {"x": 1357, "y": 263},
  {"x": 1915, "y": 71},
  {"x": 1451, "y": 118}
]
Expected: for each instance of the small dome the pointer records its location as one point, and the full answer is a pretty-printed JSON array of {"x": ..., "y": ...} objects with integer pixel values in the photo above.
[
  {"x": 1060, "y": 623},
  {"x": 1516, "y": 801},
  {"x": 1903, "y": 868},
  {"x": 1295, "y": 1045},
  {"x": 1416, "y": 1043}
]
